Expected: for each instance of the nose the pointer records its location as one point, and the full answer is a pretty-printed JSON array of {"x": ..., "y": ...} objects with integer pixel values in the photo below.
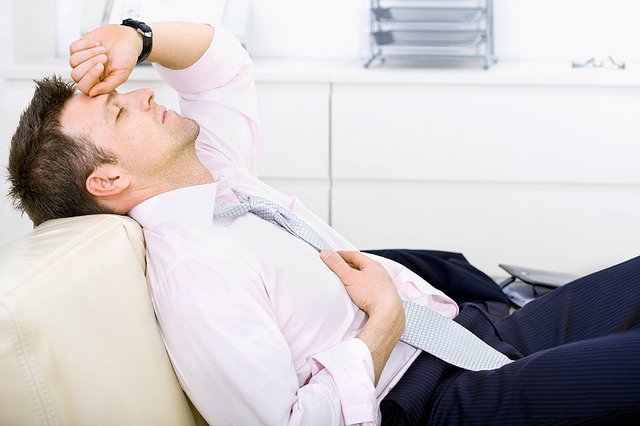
[{"x": 143, "y": 98}]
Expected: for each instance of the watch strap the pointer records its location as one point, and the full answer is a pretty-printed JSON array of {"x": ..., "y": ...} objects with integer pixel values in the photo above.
[{"x": 147, "y": 37}]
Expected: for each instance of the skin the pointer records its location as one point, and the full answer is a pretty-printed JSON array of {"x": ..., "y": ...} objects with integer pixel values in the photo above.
[
  {"x": 155, "y": 147},
  {"x": 155, "y": 151}
]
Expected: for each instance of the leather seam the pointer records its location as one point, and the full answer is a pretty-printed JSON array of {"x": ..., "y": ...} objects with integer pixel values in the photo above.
[{"x": 38, "y": 391}]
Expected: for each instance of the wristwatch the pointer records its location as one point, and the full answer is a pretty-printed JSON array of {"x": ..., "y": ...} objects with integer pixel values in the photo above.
[{"x": 147, "y": 37}]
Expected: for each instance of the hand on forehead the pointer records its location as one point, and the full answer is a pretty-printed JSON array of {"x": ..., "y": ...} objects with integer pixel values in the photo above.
[{"x": 103, "y": 59}]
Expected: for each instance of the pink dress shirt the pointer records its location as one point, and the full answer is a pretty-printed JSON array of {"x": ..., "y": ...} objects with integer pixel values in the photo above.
[{"x": 258, "y": 329}]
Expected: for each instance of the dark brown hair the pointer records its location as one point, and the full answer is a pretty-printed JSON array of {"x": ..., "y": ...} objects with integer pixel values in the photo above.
[{"x": 48, "y": 169}]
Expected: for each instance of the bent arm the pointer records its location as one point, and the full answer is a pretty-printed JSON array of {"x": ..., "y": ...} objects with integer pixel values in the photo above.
[
  {"x": 218, "y": 91},
  {"x": 212, "y": 74},
  {"x": 103, "y": 59},
  {"x": 178, "y": 45}
]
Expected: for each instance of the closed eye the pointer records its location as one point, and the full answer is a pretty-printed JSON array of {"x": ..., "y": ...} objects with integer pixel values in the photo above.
[{"x": 120, "y": 111}]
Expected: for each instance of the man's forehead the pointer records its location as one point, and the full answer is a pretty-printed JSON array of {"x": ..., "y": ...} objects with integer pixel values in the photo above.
[
  {"x": 79, "y": 99},
  {"x": 82, "y": 111},
  {"x": 104, "y": 99}
]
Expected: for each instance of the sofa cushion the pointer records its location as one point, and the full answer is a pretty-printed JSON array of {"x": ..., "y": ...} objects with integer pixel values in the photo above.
[{"x": 79, "y": 343}]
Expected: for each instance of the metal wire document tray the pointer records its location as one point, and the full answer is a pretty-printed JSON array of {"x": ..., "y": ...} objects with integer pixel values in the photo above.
[{"x": 432, "y": 30}]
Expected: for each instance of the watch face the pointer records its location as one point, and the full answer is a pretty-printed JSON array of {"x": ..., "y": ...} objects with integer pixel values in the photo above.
[
  {"x": 144, "y": 29},
  {"x": 147, "y": 33}
]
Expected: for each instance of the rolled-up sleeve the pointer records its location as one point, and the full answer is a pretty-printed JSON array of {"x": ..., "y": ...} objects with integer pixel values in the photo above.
[{"x": 218, "y": 92}]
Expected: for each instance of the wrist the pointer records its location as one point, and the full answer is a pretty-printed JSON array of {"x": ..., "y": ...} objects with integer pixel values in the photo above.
[
  {"x": 134, "y": 39},
  {"x": 388, "y": 308},
  {"x": 397, "y": 319},
  {"x": 381, "y": 333},
  {"x": 144, "y": 38},
  {"x": 391, "y": 316}
]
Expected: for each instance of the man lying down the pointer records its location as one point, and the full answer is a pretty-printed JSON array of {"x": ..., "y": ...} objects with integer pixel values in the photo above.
[{"x": 269, "y": 315}]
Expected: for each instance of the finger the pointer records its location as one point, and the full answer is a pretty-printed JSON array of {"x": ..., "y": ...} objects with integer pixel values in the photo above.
[
  {"x": 356, "y": 259},
  {"x": 110, "y": 83},
  {"x": 82, "y": 44},
  {"x": 337, "y": 265},
  {"x": 83, "y": 55},
  {"x": 79, "y": 72},
  {"x": 91, "y": 78}
]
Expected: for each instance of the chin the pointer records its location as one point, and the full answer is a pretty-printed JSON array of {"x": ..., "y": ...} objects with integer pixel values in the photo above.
[
  {"x": 191, "y": 129},
  {"x": 196, "y": 128}
]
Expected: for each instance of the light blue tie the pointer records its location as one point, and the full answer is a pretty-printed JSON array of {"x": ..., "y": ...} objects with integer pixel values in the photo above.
[
  {"x": 271, "y": 212},
  {"x": 424, "y": 328}
]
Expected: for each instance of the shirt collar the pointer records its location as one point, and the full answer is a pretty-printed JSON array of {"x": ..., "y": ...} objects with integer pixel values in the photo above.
[{"x": 189, "y": 204}]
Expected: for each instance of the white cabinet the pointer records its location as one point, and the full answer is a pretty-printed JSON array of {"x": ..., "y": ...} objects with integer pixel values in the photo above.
[
  {"x": 574, "y": 228},
  {"x": 538, "y": 175},
  {"x": 295, "y": 124},
  {"x": 486, "y": 133}
]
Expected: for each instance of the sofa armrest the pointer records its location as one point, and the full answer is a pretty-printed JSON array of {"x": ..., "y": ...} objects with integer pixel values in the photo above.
[{"x": 79, "y": 342}]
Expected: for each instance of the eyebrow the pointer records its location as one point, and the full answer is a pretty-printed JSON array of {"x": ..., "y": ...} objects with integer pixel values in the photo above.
[{"x": 109, "y": 103}]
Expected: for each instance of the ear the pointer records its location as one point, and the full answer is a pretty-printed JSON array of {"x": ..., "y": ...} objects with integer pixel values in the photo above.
[{"x": 107, "y": 180}]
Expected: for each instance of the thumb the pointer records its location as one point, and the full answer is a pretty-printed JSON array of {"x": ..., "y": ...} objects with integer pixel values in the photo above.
[
  {"x": 336, "y": 264},
  {"x": 356, "y": 259}
]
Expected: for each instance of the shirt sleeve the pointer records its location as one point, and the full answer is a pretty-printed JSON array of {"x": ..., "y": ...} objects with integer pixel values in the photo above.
[
  {"x": 236, "y": 366},
  {"x": 218, "y": 92}
]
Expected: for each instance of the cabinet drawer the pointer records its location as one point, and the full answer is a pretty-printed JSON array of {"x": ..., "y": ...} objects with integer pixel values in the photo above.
[
  {"x": 573, "y": 228},
  {"x": 486, "y": 133},
  {"x": 295, "y": 125}
]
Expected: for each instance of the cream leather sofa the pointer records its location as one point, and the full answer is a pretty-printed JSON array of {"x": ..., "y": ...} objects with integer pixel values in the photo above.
[{"x": 79, "y": 342}]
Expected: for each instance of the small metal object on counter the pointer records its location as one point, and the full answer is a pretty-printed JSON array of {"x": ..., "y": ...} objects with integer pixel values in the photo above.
[
  {"x": 425, "y": 30},
  {"x": 608, "y": 63}
]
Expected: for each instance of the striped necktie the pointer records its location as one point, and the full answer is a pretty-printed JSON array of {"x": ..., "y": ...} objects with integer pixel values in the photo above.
[{"x": 424, "y": 328}]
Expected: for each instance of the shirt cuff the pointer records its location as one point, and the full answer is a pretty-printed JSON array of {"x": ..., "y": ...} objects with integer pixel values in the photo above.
[{"x": 350, "y": 365}]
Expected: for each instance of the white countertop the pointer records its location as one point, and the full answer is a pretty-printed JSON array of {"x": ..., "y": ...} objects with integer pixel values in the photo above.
[{"x": 352, "y": 71}]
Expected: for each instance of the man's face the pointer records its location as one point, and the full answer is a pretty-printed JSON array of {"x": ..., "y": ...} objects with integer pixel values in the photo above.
[{"x": 146, "y": 138}]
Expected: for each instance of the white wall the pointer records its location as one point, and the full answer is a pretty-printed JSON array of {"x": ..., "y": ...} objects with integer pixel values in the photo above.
[
  {"x": 567, "y": 29},
  {"x": 545, "y": 30},
  {"x": 524, "y": 29},
  {"x": 308, "y": 28},
  {"x": 6, "y": 26}
]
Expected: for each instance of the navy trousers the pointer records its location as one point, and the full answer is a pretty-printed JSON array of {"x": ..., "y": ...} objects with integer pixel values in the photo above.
[{"x": 576, "y": 351}]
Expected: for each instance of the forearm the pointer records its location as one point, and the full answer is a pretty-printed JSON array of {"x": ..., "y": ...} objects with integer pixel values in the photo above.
[
  {"x": 381, "y": 333},
  {"x": 178, "y": 45}
]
